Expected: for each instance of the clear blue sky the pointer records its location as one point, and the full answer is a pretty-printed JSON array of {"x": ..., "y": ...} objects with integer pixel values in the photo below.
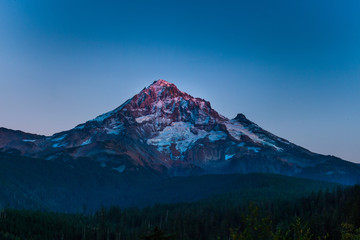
[{"x": 293, "y": 67}]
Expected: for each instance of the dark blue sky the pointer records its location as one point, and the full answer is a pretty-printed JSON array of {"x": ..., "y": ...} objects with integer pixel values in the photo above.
[{"x": 293, "y": 67}]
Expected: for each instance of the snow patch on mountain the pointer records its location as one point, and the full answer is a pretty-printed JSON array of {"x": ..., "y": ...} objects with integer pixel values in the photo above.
[
  {"x": 81, "y": 126},
  {"x": 255, "y": 149},
  {"x": 236, "y": 130},
  {"x": 146, "y": 118},
  {"x": 242, "y": 144},
  {"x": 59, "y": 138},
  {"x": 86, "y": 142},
  {"x": 227, "y": 157},
  {"x": 114, "y": 131},
  {"x": 178, "y": 133},
  {"x": 183, "y": 134},
  {"x": 216, "y": 136},
  {"x": 58, "y": 145},
  {"x": 115, "y": 127}
]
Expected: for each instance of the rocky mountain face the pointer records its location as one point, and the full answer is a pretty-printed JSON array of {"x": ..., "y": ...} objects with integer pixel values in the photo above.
[{"x": 165, "y": 132}]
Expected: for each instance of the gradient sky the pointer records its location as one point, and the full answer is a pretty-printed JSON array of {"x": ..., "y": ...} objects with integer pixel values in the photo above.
[{"x": 293, "y": 67}]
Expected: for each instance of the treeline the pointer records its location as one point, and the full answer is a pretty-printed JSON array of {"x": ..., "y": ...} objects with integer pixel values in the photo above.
[{"x": 329, "y": 215}]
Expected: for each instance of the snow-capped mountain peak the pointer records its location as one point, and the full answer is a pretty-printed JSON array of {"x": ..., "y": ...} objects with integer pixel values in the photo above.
[
  {"x": 171, "y": 120},
  {"x": 164, "y": 130},
  {"x": 163, "y": 100}
]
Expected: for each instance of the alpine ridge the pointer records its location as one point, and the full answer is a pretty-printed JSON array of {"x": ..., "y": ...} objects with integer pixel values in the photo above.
[{"x": 164, "y": 132}]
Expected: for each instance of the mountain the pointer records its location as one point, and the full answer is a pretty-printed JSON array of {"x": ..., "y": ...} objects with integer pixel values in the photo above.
[{"x": 165, "y": 132}]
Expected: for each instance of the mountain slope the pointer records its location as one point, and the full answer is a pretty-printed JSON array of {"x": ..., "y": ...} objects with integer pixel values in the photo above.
[{"x": 168, "y": 132}]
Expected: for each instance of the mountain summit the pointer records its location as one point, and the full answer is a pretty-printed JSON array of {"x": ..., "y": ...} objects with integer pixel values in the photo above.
[
  {"x": 164, "y": 101},
  {"x": 166, "y": 132}
]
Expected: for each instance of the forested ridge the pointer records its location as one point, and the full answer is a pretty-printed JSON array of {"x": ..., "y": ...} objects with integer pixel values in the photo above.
[{"x": 326, "y": 214}]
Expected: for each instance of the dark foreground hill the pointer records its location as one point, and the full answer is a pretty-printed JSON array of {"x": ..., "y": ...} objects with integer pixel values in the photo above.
[{"x": 58, "y": 186}]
